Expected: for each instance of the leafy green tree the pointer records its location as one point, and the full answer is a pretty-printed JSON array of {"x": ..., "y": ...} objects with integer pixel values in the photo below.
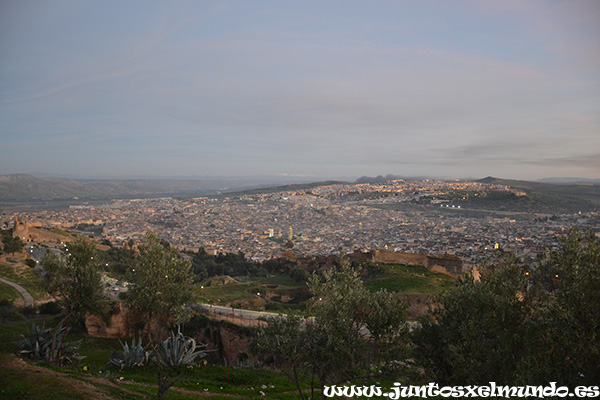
[
  {"x": 161, "y": 284},
  {"x": 76, "y": 278},
  {"x": 479, "y": 330},
  {"x": 161, "y": 289},
  {"x": 286, "y": 341},
  {"x": 12, "y": 244},
  {"x": 567, "y": 336},
  {"x": 520, "y": 325},
  {"x": 333, "y": 346},
  {"x": 120, "y": 260}
]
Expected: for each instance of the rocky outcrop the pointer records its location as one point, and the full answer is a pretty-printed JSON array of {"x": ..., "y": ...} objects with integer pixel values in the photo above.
[
  {"x": 122, "y": 322},
  {"x": 225, "y": 342}
]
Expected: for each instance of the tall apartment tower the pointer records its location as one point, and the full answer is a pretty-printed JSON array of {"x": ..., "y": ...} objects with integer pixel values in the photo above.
[
  {"x": 290, "y": 233},
  {"x": 271, "y": 232}
]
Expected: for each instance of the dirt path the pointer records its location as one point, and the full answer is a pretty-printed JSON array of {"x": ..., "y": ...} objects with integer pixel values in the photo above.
[{"x": 28, "y": 298}]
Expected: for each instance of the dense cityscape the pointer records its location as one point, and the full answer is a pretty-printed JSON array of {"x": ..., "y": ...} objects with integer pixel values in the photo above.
[
  {"x": 326, "y": 219},
  {"x": 299, "y": 200}
]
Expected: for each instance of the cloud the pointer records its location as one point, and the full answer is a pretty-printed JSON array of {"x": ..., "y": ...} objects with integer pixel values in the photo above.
[
  {"x": 591, "y": 161},
  {"x": 308, "y": 88}
]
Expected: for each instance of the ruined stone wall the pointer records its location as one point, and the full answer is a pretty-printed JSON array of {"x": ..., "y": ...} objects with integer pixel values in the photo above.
[
  {"x": 224, "y": 340},
  {"x": 359, "y": 256},
  {"x": 446, "y": 265},
  {"x": 21, "y": 229},
  {"x": 391, "y": 257},
  {"x": 123, "y": 322}
]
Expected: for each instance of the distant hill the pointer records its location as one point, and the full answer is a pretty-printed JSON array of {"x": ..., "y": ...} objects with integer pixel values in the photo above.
[
  {"x": 286, "y": 188},
  {"x": 583, "y": 181},
  {"x": 565, "y": 197},
  {"x": 17, "y": 188},
  {"x": 389, "y": 177}
]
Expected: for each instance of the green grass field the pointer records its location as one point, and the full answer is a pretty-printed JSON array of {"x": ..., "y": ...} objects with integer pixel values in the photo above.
[
  {"x": 408, "y": 280},
  {"x": 257, "y": 290},
  {"x": 29, "y": 279},
  {"x": 91, "y": 380},
  {"x": 8, "y": 293},
  {"x": 405, "y": 280}
]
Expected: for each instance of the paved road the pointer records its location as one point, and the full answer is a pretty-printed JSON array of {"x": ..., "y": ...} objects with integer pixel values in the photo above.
[
  {"x": 250, "y": 314},
  {"x": 38, "y": 252},
  {"x": 236, "y": 312},
  {"x": 24, "y": 293}
]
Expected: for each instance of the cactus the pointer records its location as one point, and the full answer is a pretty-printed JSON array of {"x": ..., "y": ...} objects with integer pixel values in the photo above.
[{"x": 131, "y": 356}]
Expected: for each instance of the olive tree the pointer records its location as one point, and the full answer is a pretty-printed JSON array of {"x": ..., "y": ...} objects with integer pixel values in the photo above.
[
  {"x": 75, "y": 277},
  {"x": 161, "y": 284},
  {"x": 12, "y": 244},
  {"x": 528, "y": 324},
  {"x": 334, "y": 343},
  {"x": 478, "y": 331},
  {"x": 161, "y": 291}
]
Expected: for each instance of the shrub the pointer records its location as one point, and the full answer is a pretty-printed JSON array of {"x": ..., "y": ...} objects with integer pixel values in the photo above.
[
  {"x": 50, "y": 308},
  {"x": 29, "y": 310}
]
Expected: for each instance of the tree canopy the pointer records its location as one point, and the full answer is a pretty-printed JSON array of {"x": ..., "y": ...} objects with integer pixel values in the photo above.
[
  {"x": 161, "y": 283},
  {"x": 76, "y": 277},
  {"x": 339, "y": 342},
  {"x": 520, "y": 325},
  {"x": 12, "y": 244}
]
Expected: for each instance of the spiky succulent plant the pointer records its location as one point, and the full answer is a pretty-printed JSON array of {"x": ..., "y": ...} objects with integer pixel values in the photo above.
[
  {"x": 178, "y": 350},
  {"x": 131, "y": 356},
  {"x": 40, "y": 345}
]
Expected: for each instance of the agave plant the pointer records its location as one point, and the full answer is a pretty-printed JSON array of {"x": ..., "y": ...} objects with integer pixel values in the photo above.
[
  {"x": 41, "y": 346},
  {"x": 178, "y": 350},
  {"x": 131, "y": 356}
]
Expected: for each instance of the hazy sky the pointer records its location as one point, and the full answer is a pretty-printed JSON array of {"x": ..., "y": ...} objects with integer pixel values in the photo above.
[{"x": 326, "y": 89}]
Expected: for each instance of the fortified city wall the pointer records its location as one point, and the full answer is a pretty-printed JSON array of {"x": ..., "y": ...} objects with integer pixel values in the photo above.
[{"x": 446, "y": 265}]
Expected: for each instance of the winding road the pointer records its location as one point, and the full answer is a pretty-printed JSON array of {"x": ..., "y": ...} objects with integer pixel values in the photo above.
[{"x": 20, "y": 289}]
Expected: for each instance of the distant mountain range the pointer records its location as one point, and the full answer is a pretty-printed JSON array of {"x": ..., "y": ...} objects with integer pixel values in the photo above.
[
  {"x": 584, "y": 181},
  {"x": 382, "y": 178},
  {"x": 17, "y": 188}
]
